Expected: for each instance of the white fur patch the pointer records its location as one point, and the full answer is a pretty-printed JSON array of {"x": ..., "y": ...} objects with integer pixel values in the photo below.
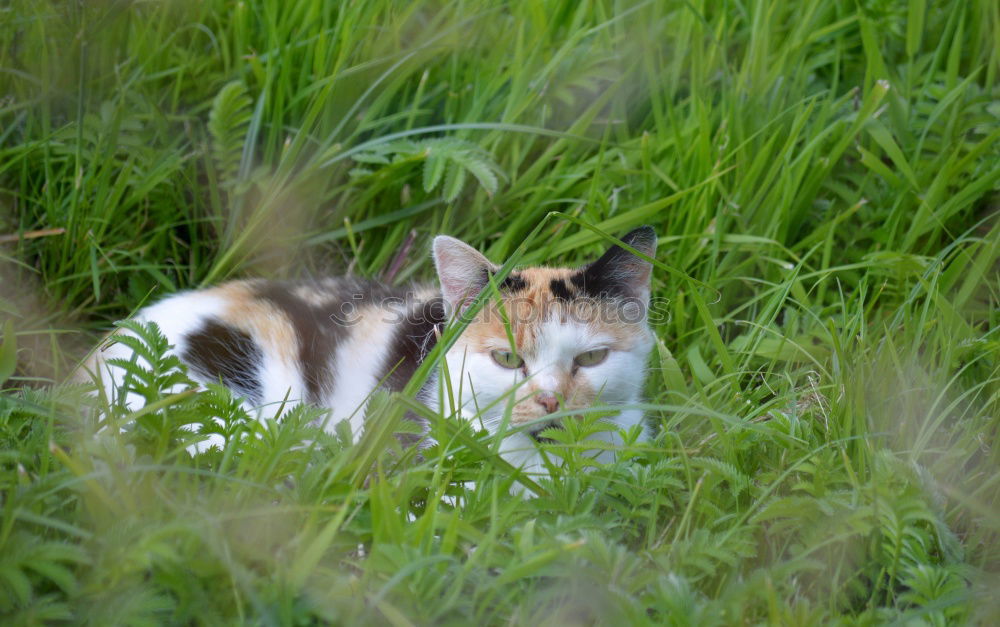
[{"x": 357, "y": 366}]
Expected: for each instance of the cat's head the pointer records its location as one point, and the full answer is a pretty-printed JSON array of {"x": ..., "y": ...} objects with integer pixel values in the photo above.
[{"x": 576, "y": 336}]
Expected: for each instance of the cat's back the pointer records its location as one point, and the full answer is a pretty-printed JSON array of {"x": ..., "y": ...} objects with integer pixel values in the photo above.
[{"x": 328, "y": 341}]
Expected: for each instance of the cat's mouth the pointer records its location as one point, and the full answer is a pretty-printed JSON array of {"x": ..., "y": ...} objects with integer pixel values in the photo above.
[{"x": 535, "y": 431}]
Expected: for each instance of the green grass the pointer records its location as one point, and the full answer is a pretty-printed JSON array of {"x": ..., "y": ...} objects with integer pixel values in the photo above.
[{"x": 824, "y": 179}]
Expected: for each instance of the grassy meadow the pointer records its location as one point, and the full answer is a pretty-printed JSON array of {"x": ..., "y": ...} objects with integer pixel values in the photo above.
[{"x": 824, "y": 177}]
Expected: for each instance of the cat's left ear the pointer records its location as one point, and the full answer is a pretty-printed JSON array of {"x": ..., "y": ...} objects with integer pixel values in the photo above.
[
  {"x": 462, "y": 270},
  {"x": 619, "y": 273}
]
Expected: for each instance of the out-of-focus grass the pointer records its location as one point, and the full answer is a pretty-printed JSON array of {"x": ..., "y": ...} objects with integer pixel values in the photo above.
[{"x": 823, "y": 177}]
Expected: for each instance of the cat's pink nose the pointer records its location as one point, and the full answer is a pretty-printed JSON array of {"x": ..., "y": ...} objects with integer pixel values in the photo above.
[{"x": 548, "y": 400}]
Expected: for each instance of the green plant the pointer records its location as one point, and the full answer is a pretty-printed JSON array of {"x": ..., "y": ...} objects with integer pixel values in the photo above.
[{"x": 823, "y": 176}]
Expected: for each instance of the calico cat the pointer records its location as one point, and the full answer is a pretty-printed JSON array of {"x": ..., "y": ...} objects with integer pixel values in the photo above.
[{"x": 580, "y": 337}]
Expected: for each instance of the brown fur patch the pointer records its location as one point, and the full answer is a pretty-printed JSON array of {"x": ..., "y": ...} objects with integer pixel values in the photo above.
[{"x": 260, "y": 318}]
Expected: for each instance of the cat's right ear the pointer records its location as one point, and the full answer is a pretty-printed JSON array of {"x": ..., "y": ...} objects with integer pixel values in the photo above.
[{"x": 462, "y": 270}]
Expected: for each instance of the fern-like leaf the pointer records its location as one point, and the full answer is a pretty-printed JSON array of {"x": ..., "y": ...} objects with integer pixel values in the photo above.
[
  {"x": 434, "y": 167},
  {"x": 152, "y": 371},
  {"x": 480, "y": 167},
  {"x": 737, "y": 480},
  {"x": 229, "y": 125},
  {"x": 447, "y": 163},
  {"x": 454, "y": 181}
]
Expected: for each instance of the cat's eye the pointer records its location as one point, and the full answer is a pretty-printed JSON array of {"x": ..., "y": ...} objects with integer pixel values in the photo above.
[
  {"x": 591, "y": 358},
  {"x": 507, "y": 359}
]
